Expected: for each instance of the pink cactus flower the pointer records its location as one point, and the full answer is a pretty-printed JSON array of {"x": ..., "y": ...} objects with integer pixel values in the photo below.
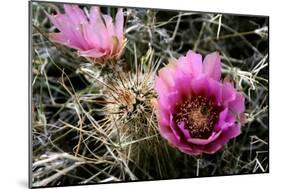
[
  {"x": 196, "y": 112},
  {"x": 95, "y": 37}
]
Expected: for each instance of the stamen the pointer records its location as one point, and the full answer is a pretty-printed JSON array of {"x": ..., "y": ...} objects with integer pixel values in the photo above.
[{"x": 200, "y": 114}]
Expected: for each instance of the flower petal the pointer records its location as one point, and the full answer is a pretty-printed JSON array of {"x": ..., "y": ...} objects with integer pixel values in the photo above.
[
  {"x": 183, "y": 83},
  {"x": 167, "y": 74},
  {"x": 167, "y": 133},
  {"x": 160, "y": 86},
  {"x": 167, "y": 77},
  {"x": 99, "y": 27},
  {"x": 79, "y": 21},
  {"x": 225, "y": 136},
  {"x": 238, "y": 105},
  {"x": 174, "y": 128},
  {"x": 199, "y": 141},
  {"x": 183, "y": 130},
  {"x": 119, "y": 22},
  {"x": 200, "y": 85},
  {"x": 93, "y": 38},
  {"x": 212, "y": 66},
  {"x": 228, "y": 93},
  {"x": 191, "y": 151},
  {"x": 191, "y": 63},
  {"x": 91, "y": 53},
  {"x": 75, "y": 14},
  {"x": 109, "y": 25},
  {"x": 169, "y": 101},
  {"x": 222, "y": 119},
  {"x": 195, "y": 63},
  {"x": 163, "y": 118},
  {"x": 162, "y": 91},
  {"x": 215, "y": 90},
  {"x": 63, "y": 24},
  {"x": 61, "y": 38}
]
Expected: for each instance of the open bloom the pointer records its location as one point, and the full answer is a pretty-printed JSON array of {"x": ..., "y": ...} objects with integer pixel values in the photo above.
[
  {"x": 196, "y": 112},
  {"x": 95, "y": 36}
]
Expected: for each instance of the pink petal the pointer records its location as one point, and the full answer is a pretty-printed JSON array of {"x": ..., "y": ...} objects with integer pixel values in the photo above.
[
  {"x": 111, "y": 33},
  {"x": 168, "y": 101},
  {"x": 58, "y": 20},
  {"x": 232, "y": 98},
  {"x": 82, "y": 32},
  {"x": 222, "y": 120},
  {"x": 191, "y": 63},
  {"x": 163, "y": 118},
  {"x": 190, "y": 151},
  {"x": 173, "y": 98},
  {"x": 201, "y": 142},
  {"x": 61, "y": 38},
  {"x": 63, "y": 23},
  {"x": 200, "y": 85},
  {"x": 242, "y": 118},
  {"x": 225, "y": 136},
  {"x": 238, "y": 105},
  {"x": 182, "y": 64},
  {"x": 168, "y": 134},
  {"x": 166, "y": 97},
  {"x": 212, "y": 66},
  {"x": 195, "y": 62},
  {"x": 75, "y": 14},
  {"x": 174, "y": 128},
  {"x": 99, "y": 27},
  {"x": 119, "y": 22},
  {"x": 230, "y": 117},
  {"x": 82, "y": 27},
  {"x": 183, "y": 83},
  {"x": 93, "y": 38},
  {"x": 109, "y": 25},
  {"x": 228, "y": 93},
  {"x": 167, "y": 74},
  {"x": 96, "y": 20},
  {"x": 161, "y": 87},
  {"x": 216, "y": 90},
  {"x": 94, "y": 53},
  {"x": 183, "y": 130},
  {"x": 79, "y": 21}
]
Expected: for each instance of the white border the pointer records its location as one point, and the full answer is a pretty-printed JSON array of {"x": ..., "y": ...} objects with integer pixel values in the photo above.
[{"x": 14, "y": 92}]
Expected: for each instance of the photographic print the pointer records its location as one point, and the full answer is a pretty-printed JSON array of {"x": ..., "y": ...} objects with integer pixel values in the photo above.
[{"x": 121, "y": 94}]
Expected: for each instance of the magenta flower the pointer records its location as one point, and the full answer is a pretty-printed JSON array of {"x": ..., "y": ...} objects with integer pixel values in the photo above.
[
  {"x": 94, "y": 36},
  {"x": 196, "y": 112}
]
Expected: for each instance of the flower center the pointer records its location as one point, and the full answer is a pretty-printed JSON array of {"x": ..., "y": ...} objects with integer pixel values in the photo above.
[{"x": 200, "y": 114}]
